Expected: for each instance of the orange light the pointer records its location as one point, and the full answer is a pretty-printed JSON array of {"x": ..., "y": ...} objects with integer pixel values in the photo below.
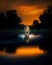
[
  {"x": 29, "y": 51},
  {"x": 29, "y": 14},
  {"x": 24, "y": 52}
]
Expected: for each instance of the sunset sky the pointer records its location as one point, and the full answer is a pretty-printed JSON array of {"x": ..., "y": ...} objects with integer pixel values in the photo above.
[{"x": 29, "y": 10}]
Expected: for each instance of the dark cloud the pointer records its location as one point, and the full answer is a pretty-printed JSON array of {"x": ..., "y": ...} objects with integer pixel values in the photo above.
[
  {"x": 8, "y": 4},
  {"x": 33, "y": 2},
  {"x": 27, "y": 2}
]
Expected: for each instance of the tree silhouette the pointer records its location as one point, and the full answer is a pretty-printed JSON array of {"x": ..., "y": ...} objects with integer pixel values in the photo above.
[
  {"x": 9, "y": 19},
  {"x": 12, "y": 18},
  {"x": 46, "y": 22},
  {"x": 35, "y": 24},
  {"x": 46, "y": 18},
  {"x": 2, "y": 19}
]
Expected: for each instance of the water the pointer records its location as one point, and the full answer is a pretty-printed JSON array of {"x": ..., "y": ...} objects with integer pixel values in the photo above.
[{"x": 34, "y": 40}]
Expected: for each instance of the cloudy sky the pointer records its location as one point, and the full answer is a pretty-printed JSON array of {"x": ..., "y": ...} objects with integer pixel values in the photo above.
[{"x": 29, "y": 10}]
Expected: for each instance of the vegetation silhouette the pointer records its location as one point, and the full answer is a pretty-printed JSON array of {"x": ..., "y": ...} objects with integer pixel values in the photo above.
[
  {"x": 35, "y": 24},
  {"x": 46, "y": 18},
  {"x": 46, "y": 23},
  {"x": 9, "y": 22},
  {"x": 9, "y": 19}
]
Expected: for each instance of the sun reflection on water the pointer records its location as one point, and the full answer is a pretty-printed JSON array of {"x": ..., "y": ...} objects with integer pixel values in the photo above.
[
  {"x": 24, "y": 52},
  {"x": 29, "y": 51}
]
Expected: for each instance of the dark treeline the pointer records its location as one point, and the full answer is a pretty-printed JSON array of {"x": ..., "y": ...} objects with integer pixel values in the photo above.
[
  {"x": 9, "y": 23},
  {"x": 45, "y": 18},
  {"x": 9, "y": 19},
  {"x": 46, "y": 23}
]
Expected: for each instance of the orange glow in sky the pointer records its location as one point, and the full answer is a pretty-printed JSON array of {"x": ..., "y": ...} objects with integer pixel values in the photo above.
[
  {"x": 29, "y": 10},
  {"x": 29, "y": 14}
]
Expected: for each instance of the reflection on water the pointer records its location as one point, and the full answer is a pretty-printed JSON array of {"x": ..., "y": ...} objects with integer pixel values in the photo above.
[
  {"x": 27, "y": 40},
  {"x": 29, "y": 51},
  {"x": 25, "y": 51},
  {"x": 30, "y": 37}
]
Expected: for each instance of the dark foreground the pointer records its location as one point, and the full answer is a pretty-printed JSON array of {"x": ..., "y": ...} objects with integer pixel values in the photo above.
[
  {"x": 44, "y": 41},
  {"x": 40, "y": 60}
]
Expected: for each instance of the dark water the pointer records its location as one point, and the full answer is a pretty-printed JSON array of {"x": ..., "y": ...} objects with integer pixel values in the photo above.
[
  {"x": 41, "y": 60},
  {"x": 20, "y": 41}
]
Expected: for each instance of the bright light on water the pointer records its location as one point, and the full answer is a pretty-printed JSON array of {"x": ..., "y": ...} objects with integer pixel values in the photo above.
[
  {"x": 31, "y": 36},
  {"x": 22, "y": 35}
]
